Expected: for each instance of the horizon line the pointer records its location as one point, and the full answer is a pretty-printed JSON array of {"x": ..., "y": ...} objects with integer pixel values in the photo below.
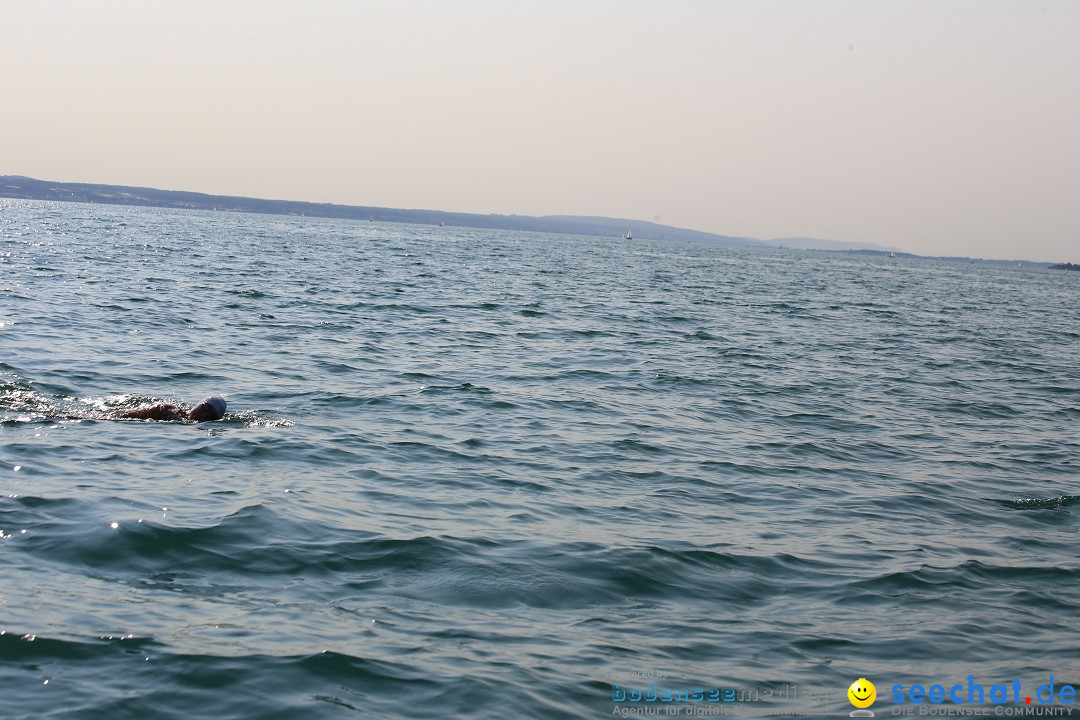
[{"x": 606, "y": 224}]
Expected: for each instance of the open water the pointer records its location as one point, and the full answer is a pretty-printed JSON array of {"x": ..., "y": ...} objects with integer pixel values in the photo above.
[{"x": 496, "y": 474}]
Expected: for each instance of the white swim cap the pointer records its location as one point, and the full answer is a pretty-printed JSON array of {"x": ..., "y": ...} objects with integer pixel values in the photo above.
[{"x": 218, "y": 403}]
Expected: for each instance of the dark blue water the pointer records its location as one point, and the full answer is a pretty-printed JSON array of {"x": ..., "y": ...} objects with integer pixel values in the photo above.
[{"x": 494, "y": 474}]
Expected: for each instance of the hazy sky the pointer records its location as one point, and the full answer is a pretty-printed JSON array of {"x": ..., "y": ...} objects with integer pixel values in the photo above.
[{"x": 936, "y": 127}]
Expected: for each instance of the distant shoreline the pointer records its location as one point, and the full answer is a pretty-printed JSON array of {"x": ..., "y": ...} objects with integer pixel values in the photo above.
[{"x": 25, "y": 188}]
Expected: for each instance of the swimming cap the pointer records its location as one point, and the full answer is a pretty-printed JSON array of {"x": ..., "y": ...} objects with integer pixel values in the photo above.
[{"x": 218, "y": 403}]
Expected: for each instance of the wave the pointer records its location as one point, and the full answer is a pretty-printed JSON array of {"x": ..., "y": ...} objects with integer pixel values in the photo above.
[{"x": 1050, "y": 503}]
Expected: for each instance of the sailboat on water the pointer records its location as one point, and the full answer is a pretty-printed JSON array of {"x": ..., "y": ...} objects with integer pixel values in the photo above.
[{"x": 629, "y": 235}]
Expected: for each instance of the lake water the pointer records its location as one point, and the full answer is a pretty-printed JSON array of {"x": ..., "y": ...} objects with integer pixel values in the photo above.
[{"x": 496, "y": 474}]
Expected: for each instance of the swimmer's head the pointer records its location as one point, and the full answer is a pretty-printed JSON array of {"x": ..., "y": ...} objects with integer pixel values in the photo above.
[{"x": 212, "y": 408}]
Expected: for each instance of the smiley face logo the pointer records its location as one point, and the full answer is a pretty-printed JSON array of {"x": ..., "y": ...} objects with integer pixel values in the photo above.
[{"x": 862, "y": 693}]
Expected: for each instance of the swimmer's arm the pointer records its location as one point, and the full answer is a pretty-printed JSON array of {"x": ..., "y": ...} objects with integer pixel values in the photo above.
[{"x": 164, "y": 412}]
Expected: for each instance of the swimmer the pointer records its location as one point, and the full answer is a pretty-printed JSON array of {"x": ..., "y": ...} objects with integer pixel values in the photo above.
[{"x": 212, "y": 408}]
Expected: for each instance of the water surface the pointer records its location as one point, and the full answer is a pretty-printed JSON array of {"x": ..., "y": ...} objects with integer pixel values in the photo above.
[{"x": 479, "y": 473}]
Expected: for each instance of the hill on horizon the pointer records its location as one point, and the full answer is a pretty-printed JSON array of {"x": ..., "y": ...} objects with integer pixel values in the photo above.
[{"x": 25, "y": 188}]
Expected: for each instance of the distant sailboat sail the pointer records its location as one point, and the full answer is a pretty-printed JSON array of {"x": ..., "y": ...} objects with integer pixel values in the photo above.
[{"x": 629, "y": 235}]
